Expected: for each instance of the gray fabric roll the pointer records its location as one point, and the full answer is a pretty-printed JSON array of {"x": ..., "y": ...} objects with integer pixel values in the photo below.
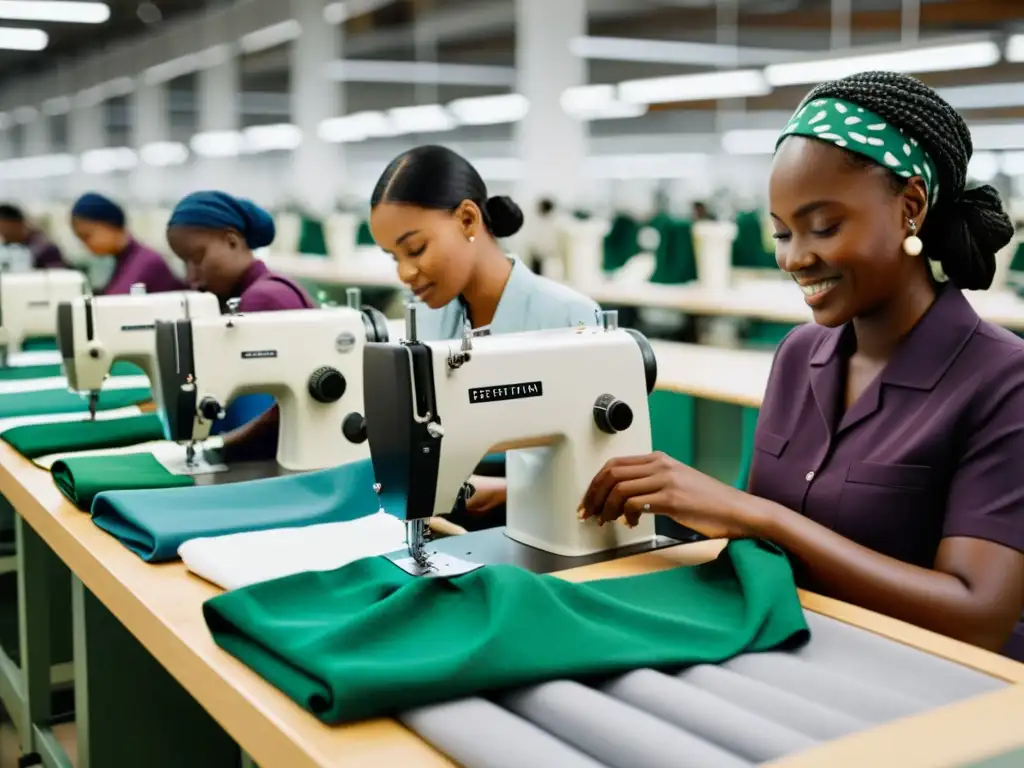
[
  {"x": 827, "y": 686},
  {"x": 708, "y": 716},
  {"x": 477, "y": 733},
  {"x": 619, "y": 735},
  {"x": 815, "y": 720}
]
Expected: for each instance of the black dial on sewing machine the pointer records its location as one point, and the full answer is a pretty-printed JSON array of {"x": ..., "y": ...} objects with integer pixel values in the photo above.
[
  {"x": 327, "y": 385},
  {"x": 612, "y": 415},
  {"x": 209, "y": 408},
  {"x": 353, "y": 427}
]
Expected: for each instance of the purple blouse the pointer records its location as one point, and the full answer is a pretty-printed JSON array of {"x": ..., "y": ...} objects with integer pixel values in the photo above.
[
  {"x": 260, "y": 290},
  {"x": 139, "y": 264},
  {"x": 45, "y": 253},
  {"x": 933, "y": 448}
]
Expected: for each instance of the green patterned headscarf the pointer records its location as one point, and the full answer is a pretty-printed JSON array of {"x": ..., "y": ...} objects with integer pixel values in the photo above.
[{"x": 856, "y": 129}]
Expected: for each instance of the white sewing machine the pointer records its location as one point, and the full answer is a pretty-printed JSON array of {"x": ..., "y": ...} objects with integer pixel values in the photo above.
[
  {"x": 310, "y": 360},
  {"x": 563, "y": 402},
  {"x": 28, "y": 304},
  {"x": 95, "y": 331}
]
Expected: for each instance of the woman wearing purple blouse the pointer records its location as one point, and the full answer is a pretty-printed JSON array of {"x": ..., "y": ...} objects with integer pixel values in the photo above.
[
  {"x": 889, "y": 452},
  {"x": 215, "y": 235},
  {"x": 100, "y": 224},
  {"x": 15, "y": 229}
]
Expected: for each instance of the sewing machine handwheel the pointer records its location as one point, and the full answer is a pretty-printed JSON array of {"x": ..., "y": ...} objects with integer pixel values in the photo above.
[
  {"x": 376, "y": 324},
  {"x": 327, "y": 385},
  {"x": 650, "y": 361},
  {"x": 353, "y": 427},
  {"x": 210, "y": 409},
  {"x": 612, "y": 415}
]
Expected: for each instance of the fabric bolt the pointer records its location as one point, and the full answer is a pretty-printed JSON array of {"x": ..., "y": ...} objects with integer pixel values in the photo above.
[
  {"x": 41, "y": 439},
  {"x": 219, "y": 210},
  {"x": 62, "y": 401},
  {"x": 856, "y": 129},
  {"x": 139, "y": 264},
  {"x": 316, "y": 636},
  {"x": 929, "y": 450},
  {"x": 82, "y": 478},
  {"x": 243, "y": 559},
  {"x": 155, "y": 523}
]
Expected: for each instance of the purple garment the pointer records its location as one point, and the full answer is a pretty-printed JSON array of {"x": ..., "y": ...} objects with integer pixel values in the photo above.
[
  {"x": 45, "y": 254},
  {"x": 934, "y": 447},
  {"x": 260, "y": 290},
  {"x": 139, "y": 264}
]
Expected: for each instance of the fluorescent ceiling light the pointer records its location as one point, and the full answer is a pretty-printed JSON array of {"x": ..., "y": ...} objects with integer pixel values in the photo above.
[
  {"x": 490, "y": 110},
  {"x": 934, "y": 58},
  {"x": 598, "y": 102},
  {"x": 218, "y": 143},
  {"x": 425, "y": 72},
  {"x": 268, "y": 37},
  {"x": 164, "y": 153},
  {"x": 20, "y": 39},
  {"x": 358, "y": 126},
  {"x": 750, "y": 142},
  {"x": 738, "y": 83},
  {"x": 53, "y": 10},
  {"x": 38, "y": 167},
  {"x": 109, "y": 160},
  {"x": 58, "y": 105},
  {"x": 1015, "y": 48},
  {"x": 425, "y": 118},
  {"x": 185, "y": 65},
  {"x": 990, "y": 96},
  {"x": 268, "y": 138},
  {"x": 671, "y": 52}
]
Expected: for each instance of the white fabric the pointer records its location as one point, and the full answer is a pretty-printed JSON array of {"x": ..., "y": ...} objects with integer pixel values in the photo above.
[
  {"x": 241, "y": 559},
  {"x": 35, "y": 357},
  {"x": 60, "y": 418},
  {"x": 61, "y": 382}
]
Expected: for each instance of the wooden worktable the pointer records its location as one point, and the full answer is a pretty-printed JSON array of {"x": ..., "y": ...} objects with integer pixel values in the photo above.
[{"x": 160, "y": 606}]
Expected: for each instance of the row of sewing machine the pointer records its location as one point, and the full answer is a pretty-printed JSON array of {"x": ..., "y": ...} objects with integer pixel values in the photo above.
[{"x": 425, "y": 412}]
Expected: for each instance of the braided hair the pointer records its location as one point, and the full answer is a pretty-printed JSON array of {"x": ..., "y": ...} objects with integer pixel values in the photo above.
[{"x": 967, "y": 226}]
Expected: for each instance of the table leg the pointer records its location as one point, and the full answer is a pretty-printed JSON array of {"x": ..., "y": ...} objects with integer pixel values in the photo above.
[{"x": 129, "y": 709}]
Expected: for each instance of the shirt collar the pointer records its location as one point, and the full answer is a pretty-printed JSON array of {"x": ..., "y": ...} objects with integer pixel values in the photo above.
[
  {"x": 512, "y": 306},
  {"x": 253, "y": 272},
  {"x": 928, "y": 350}
]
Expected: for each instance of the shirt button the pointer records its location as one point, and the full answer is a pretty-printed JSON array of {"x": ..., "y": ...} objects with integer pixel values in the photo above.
[{"x": 809, "y": 476}]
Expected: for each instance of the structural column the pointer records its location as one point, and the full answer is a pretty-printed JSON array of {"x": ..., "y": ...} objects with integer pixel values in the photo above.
[
  {"x": 150, "y": 121},
  {"x": 219, "y": 105},
  {"x": 317, "y": 168},
  {"x": 86, "y": 131},
  {"x": 552, "y": 145}
]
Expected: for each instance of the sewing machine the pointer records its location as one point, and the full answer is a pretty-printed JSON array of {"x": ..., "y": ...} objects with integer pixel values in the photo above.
[
  {"x": 95, "y": 331},
  {"x": 28, "y": 304},
  {"x": 563, "y": 402},
  {"x": 309, "y": 359}
]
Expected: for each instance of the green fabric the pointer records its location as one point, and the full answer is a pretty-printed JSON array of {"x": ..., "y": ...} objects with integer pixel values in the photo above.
[
  {"x": 62, "y": 401},
  {"x": 620, "y": 244},
  {"x": 311, "y": 238},
  {"x": 154, "y": 523},
  {"x": 749, "y": 422},
  {"x": 1017, "y": 262},
  {"x": 39, "y": 344},
  {"x": 674, "y": 260},
  {"x": 363, "y": 235},
  {"x": 856, "y": 129},
  {"x": 35, "y": 440},
  {"x": 83, "y": 478},
  {"x": 18, "y": 373},
  {"x": 748, "y": 249},
  {"x": 672, "y": 424},
  {"x": 763, "y": 334},
  {"x": 369, "y": 640}
]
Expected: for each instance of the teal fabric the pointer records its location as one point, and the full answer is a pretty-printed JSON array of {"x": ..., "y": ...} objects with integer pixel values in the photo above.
[
  {"x": 363, "y": 235},
  {"x": 621, "y": 243},
  {"x": 748, "y": 249},
  {"x": 1017, "y": 263},
  {"x": 312, "y": 241},
  {"x": 39, "y": 344},
  {"x": 675, "y": 260},
  {"x": 61, "y": 401},
  {"x": 21, "y": 372},
  {"x": 154, "y": 523}
]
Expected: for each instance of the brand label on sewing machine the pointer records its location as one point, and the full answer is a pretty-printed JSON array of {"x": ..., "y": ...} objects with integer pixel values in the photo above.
[
  {"x": 255, "y": 353},
  {"x": 500, "y": 392},
  {"x": 43, "y": 303},
  {"x": 140, "y": 327}
]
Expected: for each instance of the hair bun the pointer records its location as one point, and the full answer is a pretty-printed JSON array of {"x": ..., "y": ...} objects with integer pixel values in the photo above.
[
  {"x": 972, "y": 229},
  {"x": 504, "y": 217}
]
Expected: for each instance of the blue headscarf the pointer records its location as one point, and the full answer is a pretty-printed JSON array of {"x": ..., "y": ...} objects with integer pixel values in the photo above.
[
  {"x": 219, "y": 210},
  {"x": 95, "y": 207}
]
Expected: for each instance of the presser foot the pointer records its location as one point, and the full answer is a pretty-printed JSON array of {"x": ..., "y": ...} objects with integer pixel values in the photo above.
[{"x": 434, "y": 564}]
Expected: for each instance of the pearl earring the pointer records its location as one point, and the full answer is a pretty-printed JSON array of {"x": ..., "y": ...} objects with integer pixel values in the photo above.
[
  {"x": 912, "y": 245},
  {"x": 472, "y": 238}
]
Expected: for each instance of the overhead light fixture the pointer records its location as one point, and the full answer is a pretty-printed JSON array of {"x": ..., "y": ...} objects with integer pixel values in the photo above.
[
  {"x": 358, "y": 126},
  {"x": 268, "y": 37},
  {"x": 216, "y": 144},
  {"x": 21, "y": 39},
  {"x": 674, "y": 52},
  {"x": 735, "y": 84},
  {"x": 1015, "y": 48},
  {"x": 932, "y": 58},
  {"x": 108, "y": 160},
  {"x": 162, "y": 154},
  {"x": 425, "y": 72},
  {"x": 987, "y": 96},
  {"x": 70, "y": 11},
  {"x": 598, "y": 102},
  {"x": 490, "y": 110},
  {"x": 757, "y": 141},
  {"x": 281, "y": 137},
  {"x": 58, "y": 105},
  {"x": 38, "y": 167},
  {"x": 424, "y": 118}
]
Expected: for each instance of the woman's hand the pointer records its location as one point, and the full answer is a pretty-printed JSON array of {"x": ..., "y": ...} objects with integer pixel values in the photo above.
[
  {"x": 489, "y": 493},
  {"x": 658, "y": 484}
]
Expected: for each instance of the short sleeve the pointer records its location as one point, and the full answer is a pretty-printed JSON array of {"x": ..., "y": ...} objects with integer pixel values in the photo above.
[{"x": 986, "y": 494}]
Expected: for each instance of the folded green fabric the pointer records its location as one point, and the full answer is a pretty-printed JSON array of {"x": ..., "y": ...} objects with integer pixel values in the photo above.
[
  {"x": 35, "y": 440},
  {"x": 39, "y": 344},
  {"x": 82, "y": 478},
  {"x": 18, "y": 373},
  {"x": 62, "y": 401},
  {"x": 154, "y": 523},
  {"x": 369, "y": 640}
]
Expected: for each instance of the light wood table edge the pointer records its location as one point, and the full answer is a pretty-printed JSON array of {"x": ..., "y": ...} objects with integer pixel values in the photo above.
[
  {"x": 707, "y": 393},
  {"x": 233, "y": 706}
]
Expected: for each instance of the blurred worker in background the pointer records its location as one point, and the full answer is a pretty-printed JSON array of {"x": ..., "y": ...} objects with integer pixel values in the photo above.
[{"x": 16, "y": 230}]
